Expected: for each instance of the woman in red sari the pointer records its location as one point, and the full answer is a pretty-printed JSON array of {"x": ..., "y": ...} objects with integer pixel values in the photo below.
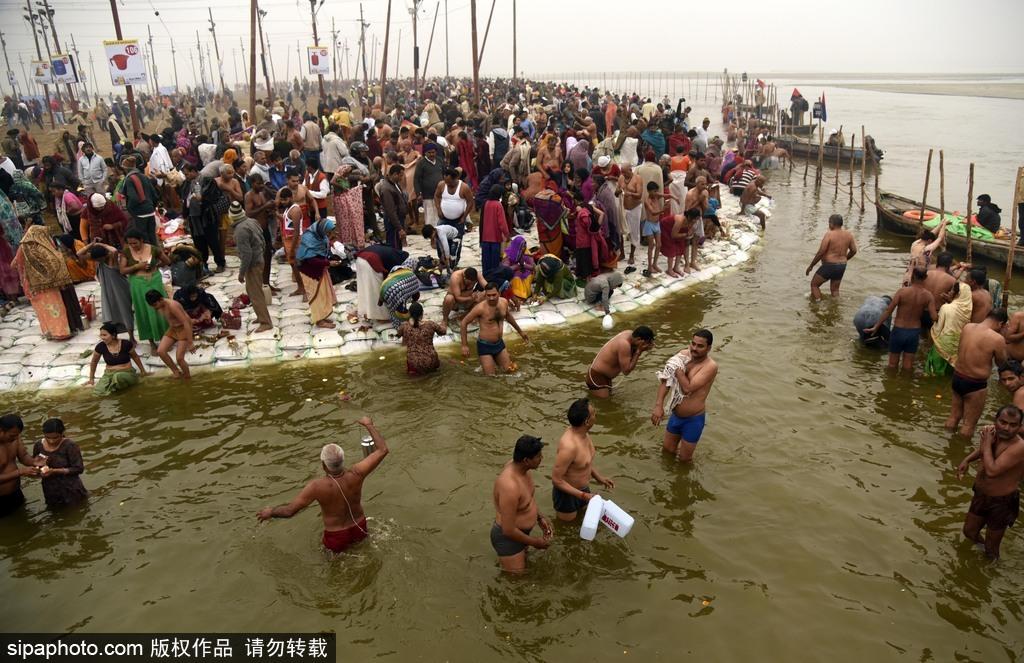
[{"x": 467, "y": 160}]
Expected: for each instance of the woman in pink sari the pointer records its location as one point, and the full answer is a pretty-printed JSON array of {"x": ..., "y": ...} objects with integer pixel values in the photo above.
[{"x": 348, "y": 209}]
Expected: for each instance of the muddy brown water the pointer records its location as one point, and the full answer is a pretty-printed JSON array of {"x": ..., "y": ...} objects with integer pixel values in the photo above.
[{"x": 820, "y": 520}]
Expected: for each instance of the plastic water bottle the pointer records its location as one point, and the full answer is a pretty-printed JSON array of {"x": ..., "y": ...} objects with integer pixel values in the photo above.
[
  {"x": 592, "y": 518},
  {"x": 615, "y": 518}
]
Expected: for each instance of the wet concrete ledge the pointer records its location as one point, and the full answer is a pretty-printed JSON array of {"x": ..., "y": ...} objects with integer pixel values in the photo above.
[{"x": 28, "y": 362}]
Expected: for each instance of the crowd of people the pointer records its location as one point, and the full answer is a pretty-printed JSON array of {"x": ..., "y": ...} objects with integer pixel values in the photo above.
[{"x": 334, "y": 189}]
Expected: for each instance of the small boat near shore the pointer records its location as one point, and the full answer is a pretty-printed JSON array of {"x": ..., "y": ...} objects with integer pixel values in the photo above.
[
  {"x": 891, "y": 209},
  {"x": 809, "y": 149}
]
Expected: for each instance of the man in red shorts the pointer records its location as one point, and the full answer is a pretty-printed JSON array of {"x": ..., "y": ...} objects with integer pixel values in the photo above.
[{"x": 339, "y": 493}]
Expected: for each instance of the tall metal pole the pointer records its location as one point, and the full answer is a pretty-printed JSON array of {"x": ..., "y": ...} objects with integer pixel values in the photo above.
[
  {"x": 447, "y": 73},
  {"x": 152, "y": 62},
  {"x": 334, "y": 51},
  {"x": 515, "y": 71},
  {"x": 476, "y": 61},
  {"x": 46, "y": 88},
  {"x": 56, "y": 44},
  {"x": 415, "y": 50},
  {"x": 430, "y": 42},
  {"x": 174, "y": 63},
  {"x": 216, "y": 50},
  {"x": 487, "y": 31},
  {"x": 234, "y": 63},
  {"x": 202, "y": 72},
  {"x": 127, "y": 88},
  {"x": 192, "y": 61},
  {"x": 362, "y": 46},
  {"x": 95, "y": 81},
  {"x": 384, "y": 56},
  {"x": 263, "y": 56},
  {"x": 316, "y": 42},
  {"x": 9, "y": 72},
  {"x": 29, "y": 83},
  {"x": 78, "y": 64},
  {"x": 252, "y": 61},
  {"x": 398, "y": 53}
]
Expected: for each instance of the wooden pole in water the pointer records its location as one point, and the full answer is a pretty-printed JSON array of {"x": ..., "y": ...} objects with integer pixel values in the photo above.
[
  {"x": 942, "y": 186},
  {"x": 821, "y": 154},
  {"x": 1018, "y": 196},
  {"x": 807, "y": 162},
  {"x": 839, "y": 153},
  {"x": 970, "y": 200},
  {"x": 924, "y": 197},
  {"x": 853, "y": 146},
  {"x": 863, "y": 165}
]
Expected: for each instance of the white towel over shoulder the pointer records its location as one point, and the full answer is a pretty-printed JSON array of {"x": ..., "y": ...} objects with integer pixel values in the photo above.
[{"x": 668, "y": 375}]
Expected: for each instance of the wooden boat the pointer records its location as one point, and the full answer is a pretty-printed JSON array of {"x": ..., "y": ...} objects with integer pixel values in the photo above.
[
  {"x": 800, "y": 129},
  {"x": 809, "y": 149},
  {"x": 890, "y": 208}
]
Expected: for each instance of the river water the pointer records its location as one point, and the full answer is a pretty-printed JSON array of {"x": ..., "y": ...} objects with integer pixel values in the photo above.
[{"x": 820, "y": 521}]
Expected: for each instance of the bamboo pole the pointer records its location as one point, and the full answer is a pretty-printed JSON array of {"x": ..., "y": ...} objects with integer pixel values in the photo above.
[
  {"x": 863, "y": 165},
  {"x": 924, "y": 197},
  {"x": 853, "y": 146},
  {"x": 942, "y": 186},
  {"x": 1018, "y": 196},
  {"x": 970, "y": 201},
  {"x": 807, "y": 162},
  {"x": 839, "y": 154},
  {"x": 821, "y": 154}
]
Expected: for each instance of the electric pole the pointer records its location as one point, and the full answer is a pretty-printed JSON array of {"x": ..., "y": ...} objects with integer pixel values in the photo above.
[
  {"x": 430, "y": 42},
  {"x": 415, "y": 50},
  {"x": 29, "y": 84},
  {"x": 476, "y": 60},
  {"x": 398, "y": 53},
  {"x": 216, "y": 48},
  {"x": 253, "y": 10},
  {"x": 56, "y": 44},
  {"x": 152, "y": 62},
  {"x": 127, "y": 88},
  {"x": 362, "y": 46},
  {"x": 334, "y": 51},
  {"x": 241, "y": 45},
  {"x": 263, "y": 57},
  {"x": 78, "y": 65},
  {"x": 95, "y": 81},
  {"x": 384, "y": 56},
  {"x": 31, "y": 18},
  {"x": 202, "y": 72},
  {"x": 446, "y": 72},
  {"x": 10, "y": 73},
  {"x": 174, "y": 61},
  {"x": 209, "y": 64},
  {"x": 316, "y": 41},
  {"x": 514, "y": 70}
]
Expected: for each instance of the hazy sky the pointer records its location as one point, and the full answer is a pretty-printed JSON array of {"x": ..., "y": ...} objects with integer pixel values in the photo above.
[{"x": 934, "y": 36}]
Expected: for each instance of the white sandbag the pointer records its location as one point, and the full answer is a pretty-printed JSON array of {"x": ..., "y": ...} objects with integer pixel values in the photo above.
[
  {"x": 626, "y": 307},
  {"x": 263, "y": 349},
  {"x": 295, "y": 342},
  {"x": 356, "y": 347},
  {"x": 324, "y": 353},
  {"x": 201, "y": 357},
  {"x": 327, "y": 338},
  {"x": 49, "y": 384},
  {"x": 32, "y": 374},
  {"x": 569, "y": 309},
  {"x": 550, "y": 318},
  {"x": 63, "y": 373},
  {"x": 225, "y": 350}
]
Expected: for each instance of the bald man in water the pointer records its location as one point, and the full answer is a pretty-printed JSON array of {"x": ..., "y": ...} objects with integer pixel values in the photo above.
[
  {"x": 339, "y": 493},
  {"x": 837, "y": 247}
]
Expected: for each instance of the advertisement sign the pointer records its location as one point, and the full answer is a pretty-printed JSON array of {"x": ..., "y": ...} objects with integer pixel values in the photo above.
[
  {"x": 41, "y": 72},
  {"x": 63, "y": 69},
  {"x": 124, "y": 59},
  {"x": 318, "y": 59}
]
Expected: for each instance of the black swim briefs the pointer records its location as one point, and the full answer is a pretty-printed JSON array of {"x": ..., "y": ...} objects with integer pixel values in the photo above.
[
  {"x": 831, "y": 271},
  {"x": 504, "y": 546},
  {"x": 566, "y": 503},
  {"x": 999, "y": 512}
]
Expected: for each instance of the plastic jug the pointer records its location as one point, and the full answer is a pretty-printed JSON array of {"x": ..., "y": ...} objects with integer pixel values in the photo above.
[
  {"x": 59, "y": 67},
  {"x": 616, "y": 519},
  {"x": 120, "y": 61},
  {"x": 592, "y": 518},
  {"x": 315, "y": 59}
]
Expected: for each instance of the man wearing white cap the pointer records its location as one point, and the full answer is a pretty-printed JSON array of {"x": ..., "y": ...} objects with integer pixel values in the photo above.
[{"x": 339, "y": 493}]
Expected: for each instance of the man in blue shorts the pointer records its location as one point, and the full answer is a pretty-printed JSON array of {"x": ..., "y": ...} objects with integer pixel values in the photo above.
[
  {"x": 493, "y": 313},
  {"x": 910, "y": 303},
  {"x": 686, "y": 382}
]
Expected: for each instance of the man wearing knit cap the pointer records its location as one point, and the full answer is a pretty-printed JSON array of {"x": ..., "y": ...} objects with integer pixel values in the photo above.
[
  {"x": 92, "y": 171},
  {"x": 250, "y": 244},
  {"x": 429, "y": 173},
  {"x": 339, "y": 493}
]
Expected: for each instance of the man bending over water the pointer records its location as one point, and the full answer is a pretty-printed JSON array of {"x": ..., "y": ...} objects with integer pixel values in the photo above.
[
  {"x": 574, "y": 463},
  {"x": 996, "y": 502},
  {"x": 618, "y": 356},
  {"x": 339, "y": 493},
  {"x": 515, "y": 508},
  {"x": 837, "y": 247},
  {"x": 910, "y": 302},
  {"x": 493, "y": 313},
  {"x": 686, "y": 381}
]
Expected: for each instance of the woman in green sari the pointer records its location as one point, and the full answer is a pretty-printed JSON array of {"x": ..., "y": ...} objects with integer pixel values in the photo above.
[
  {"x": 141, "y": 263},
  {"x": 118, "y": 354}
]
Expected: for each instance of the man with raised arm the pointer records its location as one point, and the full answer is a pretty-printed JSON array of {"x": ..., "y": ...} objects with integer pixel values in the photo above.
[{"x": 339, "y": 493}]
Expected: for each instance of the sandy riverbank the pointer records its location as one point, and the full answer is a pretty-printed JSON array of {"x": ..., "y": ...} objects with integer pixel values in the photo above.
[{"x": 995, "y": 90}]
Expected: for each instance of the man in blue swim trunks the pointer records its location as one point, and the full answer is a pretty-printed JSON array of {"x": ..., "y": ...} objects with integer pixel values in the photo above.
[
  {"x": 910, "y": 303},
  {"x": 492, "y": 313},
  {"x": 686, "y": 382}
]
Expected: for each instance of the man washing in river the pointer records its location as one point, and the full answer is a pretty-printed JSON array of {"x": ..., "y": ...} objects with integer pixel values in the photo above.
[
  {"x": 910, "y": 303},
  {"x": 686, "y": 382},
  {"x": 574, "y": 463},
  {"x": 339, "y": 493},
  {"x": 516, "y": 509},
  {"x": 618, "y": 356},
  {"x": 981, "y": 344}
]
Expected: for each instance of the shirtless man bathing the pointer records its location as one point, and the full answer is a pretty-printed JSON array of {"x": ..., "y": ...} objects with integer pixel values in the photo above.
[
  {"x": 493, "y": 313},
  {"x": 179, "y": 332},
  {"x": 981, "y": 344},
  {"x": 12, "y": 452},
  {"x": 464, "y": 288},
  {"x": 515, "y": 508},
  {"x": 910, "y": 303},
  {"x": 837, "y": 247},
  {"x": 996, "y": 502},
  {"x": 1011, "y": 376},
  {"x": 686, "y": 382},
  {"x": 574, "y": 464},
  {"x": 339, "y": 493},
  {"x": 618, "y": 356}
]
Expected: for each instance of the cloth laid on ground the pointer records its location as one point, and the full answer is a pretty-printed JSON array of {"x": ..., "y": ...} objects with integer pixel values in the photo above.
[{"x": 668, "y": 374}]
